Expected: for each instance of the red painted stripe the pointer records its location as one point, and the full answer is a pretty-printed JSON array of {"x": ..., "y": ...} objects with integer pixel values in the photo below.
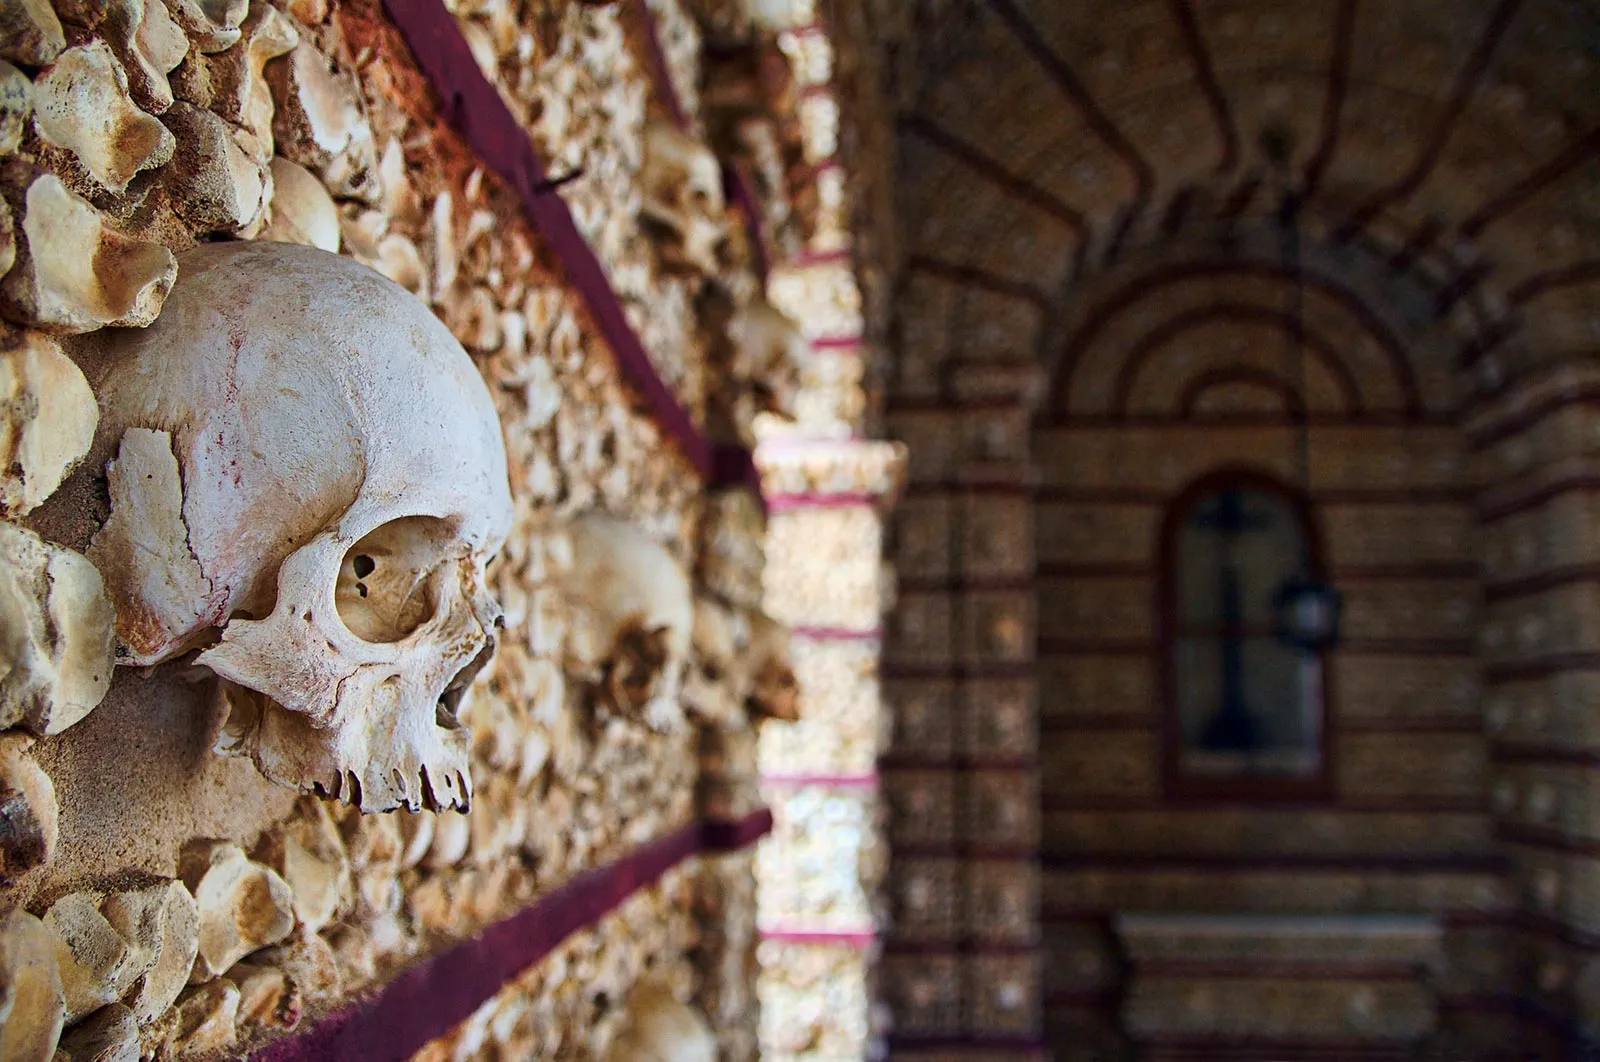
[
  {"x": 1147, "y": 496},
  {"x": 931, "y": 133},
  {"x": 431, "y": 998},
  {"x": 1542, "y": 667},
  {"x": 1505, "y": 752},
  {"x": 1146, "y": 284},
  {"x": 1067, "y": 81},
  {"x": 831, "y": 781},
  {"x": 1541, "y": 495},
  {"x": 1287, "y": 397},
  {"x": 1056, "y": 804},
  {"x": 1284, "y": 863},
  {"x": 1461, "y": 93},
  {"x": 656, "y": 64},
  {"x": 1210, "y": 87},
  {"x": 740, "y": 190},
  {"x": 973, "y": 276},
  {"x": 474, "y": 108},
  {"x": 1343, "y": 38},
  {"x": 1570, "y": 159},
  {"x": 1281, "y": 970},
  {"x": 1168, "y": 331},
  {"x": 1347, "y": 573},
  {"x": 1541, "y": 583},
  {"x": 835, "y": 938}
]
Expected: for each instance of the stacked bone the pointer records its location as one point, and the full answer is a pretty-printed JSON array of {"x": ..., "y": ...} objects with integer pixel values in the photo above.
[
  {"x": 575, "y": 1004},
  {"x": 741, "y": 677},
  {"x": 725, "y": 955},
  {"x": 581, "y": 92},
  {"x": 162, "y": 125}
]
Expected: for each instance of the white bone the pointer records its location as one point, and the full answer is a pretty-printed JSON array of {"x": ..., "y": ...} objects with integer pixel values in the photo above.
[
  {"x": 81, "y": 104},
  {"x": 28, "y": 811},
  {"x": 30, "y": 32},
  {"x": 110, "y": 1034},
  {"x": 682, "y": 195},
  {"x": 97, "y": 964},
  {"x": 302, "y": 210},
  {"x": 72, "y": 273},
  {"x": 633, "y": 615},
  {"x": 16, "y": 107},
  {"x": 55, "y": 634},
  {"x": 47, "y": 420},
  {"x": 338, "y": 530},
  {"x": 215, "y": 185},
  {"x": 213, "y": 25},
  {"x": 243, "y": 907},
  {"x": 318, "y": 121},
  {"x": 32, "y": 1006},
  {"x": 161, "y": 922}
]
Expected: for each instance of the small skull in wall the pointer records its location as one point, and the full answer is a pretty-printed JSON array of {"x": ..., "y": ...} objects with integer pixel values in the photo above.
[
  {"x": 307, "y": 478},
  {"x": 683, "y": 200},
  {"x": 658, "y": 1028},
  {"x": 632, "y": 617}
]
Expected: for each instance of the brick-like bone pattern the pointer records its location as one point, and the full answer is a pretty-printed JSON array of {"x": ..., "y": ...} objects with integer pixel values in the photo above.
[
  {"x": 571, "y": 1004},
  {"x": 309, "y": 121}
]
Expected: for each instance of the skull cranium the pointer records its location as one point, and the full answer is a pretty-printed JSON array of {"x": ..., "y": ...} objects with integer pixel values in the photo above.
[
  {"x": 343, "y": 484},
  {"x": 683, "y": 199}
]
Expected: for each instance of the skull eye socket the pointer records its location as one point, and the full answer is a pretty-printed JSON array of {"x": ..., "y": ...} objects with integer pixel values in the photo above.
[{"x": 386, "y": 588}]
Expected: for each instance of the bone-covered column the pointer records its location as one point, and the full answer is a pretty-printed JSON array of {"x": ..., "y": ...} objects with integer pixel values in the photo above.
[{"x": 819, "y": 871}]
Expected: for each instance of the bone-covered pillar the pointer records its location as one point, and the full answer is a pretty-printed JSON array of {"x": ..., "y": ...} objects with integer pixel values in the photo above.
[{"x": 819, "y": 871}]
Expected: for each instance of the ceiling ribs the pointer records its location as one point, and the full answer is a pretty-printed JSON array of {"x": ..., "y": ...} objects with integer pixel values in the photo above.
[
  {"x": 1067, "y": 81},
  {"x": 1461, "y": 93},
  {"x": 976, "y": 277},
  {"x": 1194, "y": 40},
  {"x": 1016, "y": 186},
  {"x": 1344, "y": 35}
]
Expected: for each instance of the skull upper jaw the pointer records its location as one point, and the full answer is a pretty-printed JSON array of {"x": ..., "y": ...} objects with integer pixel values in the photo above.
[
  {"x": 374, "y": 769},
  {"x": 373, "y": 724}
]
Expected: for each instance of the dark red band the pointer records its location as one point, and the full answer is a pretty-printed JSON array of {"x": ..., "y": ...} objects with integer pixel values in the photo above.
[
  {"x": 431, "y": 998},
  {"x": 473, "y": 107}
]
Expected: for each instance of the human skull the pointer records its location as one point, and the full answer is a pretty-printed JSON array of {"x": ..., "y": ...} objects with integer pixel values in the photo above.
[
  {"x": 773, "y": 354},
  {"x": 632, "y": 616},
  {"x": 309, "y": 480},
  {"x": 774, "y": 689},
  {"x": 683, "y": 199}
]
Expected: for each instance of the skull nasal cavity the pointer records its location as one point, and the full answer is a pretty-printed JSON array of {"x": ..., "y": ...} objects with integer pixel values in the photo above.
[{"x": 388, "y": 581}]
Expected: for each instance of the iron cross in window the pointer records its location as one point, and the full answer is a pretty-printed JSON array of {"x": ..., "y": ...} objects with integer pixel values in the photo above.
[{"x": 1234, "y": 727}]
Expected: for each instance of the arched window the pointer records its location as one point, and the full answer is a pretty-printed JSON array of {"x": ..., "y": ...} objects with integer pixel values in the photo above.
[{"x": 1246, "y": 713}]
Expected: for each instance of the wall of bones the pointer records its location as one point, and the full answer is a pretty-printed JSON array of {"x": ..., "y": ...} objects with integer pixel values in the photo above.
[{"x": 356, "y": 590}]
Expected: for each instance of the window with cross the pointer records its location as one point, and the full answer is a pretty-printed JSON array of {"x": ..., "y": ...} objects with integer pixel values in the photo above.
[{"x": 1246, "y": 712}]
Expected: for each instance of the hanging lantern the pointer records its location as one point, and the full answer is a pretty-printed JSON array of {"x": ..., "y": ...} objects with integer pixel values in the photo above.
[{"x": 1306, "y": 613}]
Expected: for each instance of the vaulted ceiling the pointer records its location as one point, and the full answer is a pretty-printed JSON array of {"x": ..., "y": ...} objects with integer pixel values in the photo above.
[{"x": 1097, "y": 183}]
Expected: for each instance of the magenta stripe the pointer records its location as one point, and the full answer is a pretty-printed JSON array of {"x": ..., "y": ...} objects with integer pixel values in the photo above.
[
  {"x": 820, "y": 936},
  {"x": 834, "y": 781},
  {"x": 428, "y": 1000},
  {"x": 660, "y": 69},
  {"x": 473, "y": 107}
]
